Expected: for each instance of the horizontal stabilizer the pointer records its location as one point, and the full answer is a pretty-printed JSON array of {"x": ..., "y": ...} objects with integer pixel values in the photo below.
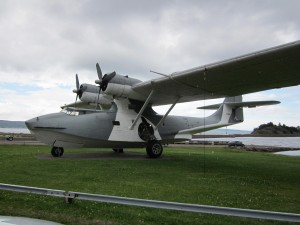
[{"x": 251, "y": 104}]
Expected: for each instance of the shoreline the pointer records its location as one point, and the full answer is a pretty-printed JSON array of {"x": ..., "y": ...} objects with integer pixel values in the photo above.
[{"x": 29, "y": 139}]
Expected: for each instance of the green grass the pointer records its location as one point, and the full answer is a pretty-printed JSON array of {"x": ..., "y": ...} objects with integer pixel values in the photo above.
[{"x": 231, "y": 178}]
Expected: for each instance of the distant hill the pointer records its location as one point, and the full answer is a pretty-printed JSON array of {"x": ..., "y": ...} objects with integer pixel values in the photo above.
[
  {"x": 271, "y": 129},
  {"x": 12, "y": 124}
]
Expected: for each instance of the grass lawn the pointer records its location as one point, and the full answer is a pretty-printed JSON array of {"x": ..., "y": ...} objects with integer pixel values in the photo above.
[{"x": 231, "y": 178}]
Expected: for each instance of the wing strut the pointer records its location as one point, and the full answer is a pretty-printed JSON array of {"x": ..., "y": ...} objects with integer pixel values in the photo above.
[
  {"x": 142, "y": 110},
  {"x": 167, "y": 113}
]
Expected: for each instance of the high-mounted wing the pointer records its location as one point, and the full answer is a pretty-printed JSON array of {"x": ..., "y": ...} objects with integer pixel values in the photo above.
[{"x": 268, "y": 69}]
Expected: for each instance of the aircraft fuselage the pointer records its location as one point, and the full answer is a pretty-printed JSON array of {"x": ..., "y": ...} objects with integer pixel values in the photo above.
[{"x": 122, "y": 127}]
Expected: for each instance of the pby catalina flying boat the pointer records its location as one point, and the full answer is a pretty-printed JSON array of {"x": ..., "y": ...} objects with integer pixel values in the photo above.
[{"x": 117, "y": 112}]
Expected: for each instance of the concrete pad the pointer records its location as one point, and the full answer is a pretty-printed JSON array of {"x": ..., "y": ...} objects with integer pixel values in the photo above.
[{"x": 11, "y": 220}]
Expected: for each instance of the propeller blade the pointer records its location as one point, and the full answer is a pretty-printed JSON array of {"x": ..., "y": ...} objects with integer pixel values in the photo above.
[
  {"x": 103, "y": 80},
  {"x": 77, "y": 82},
  {"x": 108, "y": 77},
  {"x": 76, "y": 100},
  {"x": 99, "y": 72},
  {"x": 98, "y": 98}
]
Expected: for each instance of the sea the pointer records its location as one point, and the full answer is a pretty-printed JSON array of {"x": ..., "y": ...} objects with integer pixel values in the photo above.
[
  {"x": 289, "y": 142},
  {"x": 14, "y": 130}
]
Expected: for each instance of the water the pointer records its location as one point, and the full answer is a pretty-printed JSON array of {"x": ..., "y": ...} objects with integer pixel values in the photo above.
[
  {"x": 289, "y": 153},
  {"x": 289, "y": 142},
  {"x": 14, "y": 130}
]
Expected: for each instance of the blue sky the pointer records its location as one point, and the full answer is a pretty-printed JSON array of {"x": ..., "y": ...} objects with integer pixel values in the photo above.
[
  {"x": 20, "y": 89},
  {"x": 45, "y": 43}
]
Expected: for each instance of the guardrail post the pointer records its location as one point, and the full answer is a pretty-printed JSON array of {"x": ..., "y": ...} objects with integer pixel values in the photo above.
[{"x": 70, "y": 197}]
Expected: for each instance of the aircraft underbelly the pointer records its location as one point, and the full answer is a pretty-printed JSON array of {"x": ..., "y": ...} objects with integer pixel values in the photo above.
[{"x": 60, "y": 139}]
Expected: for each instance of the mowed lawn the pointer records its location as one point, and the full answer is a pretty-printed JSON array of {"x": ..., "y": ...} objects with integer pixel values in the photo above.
[{"x": 220, "y": 177}]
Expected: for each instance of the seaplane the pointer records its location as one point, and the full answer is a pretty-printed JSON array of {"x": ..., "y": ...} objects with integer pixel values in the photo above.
[{"x": 117, "y": 111}]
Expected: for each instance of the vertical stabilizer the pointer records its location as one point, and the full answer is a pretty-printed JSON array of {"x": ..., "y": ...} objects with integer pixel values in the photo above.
[
  {"x": 231, "y": 114},
  {"x": 228, "y": 113}
]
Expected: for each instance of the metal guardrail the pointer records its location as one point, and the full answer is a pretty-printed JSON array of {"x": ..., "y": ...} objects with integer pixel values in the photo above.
[
  {"x": 70, "y": 196},
  {"x": 32, "y": 190}
]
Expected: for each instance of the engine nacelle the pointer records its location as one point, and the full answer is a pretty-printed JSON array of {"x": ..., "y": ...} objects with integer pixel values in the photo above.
[
  {"x": 124, "y": 91},
  {"x": 89, "y": 88},
  {"x": 103, "y": 100},
  {"x": 125, "y": 80},
  {"x": 120, "y": 86}
]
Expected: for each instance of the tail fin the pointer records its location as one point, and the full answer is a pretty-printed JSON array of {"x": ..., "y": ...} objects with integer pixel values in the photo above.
[
  {"x": 228, "y": 113},
  {"x": 232, "y": 109},
  {"x": 232, "y": 112}
]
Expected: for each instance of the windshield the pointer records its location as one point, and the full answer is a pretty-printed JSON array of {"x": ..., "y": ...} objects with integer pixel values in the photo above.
[{"x": 70, "y": 112}]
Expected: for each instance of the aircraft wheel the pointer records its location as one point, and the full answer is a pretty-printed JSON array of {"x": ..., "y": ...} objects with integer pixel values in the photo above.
[
  {"x": 57, "y": 151},
  {"x": 154, "y": 149},
  {"x": 118, "y": 150}
]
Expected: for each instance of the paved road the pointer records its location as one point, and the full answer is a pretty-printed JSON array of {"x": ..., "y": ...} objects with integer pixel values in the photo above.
[{"x": 10, "y": 220}]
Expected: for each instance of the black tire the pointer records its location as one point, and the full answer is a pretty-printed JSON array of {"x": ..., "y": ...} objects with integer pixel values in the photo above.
[
  {"x": 118, "y": 150},
  {"x": 57, "y": 151},
  {"x": 154, "y": 149}
]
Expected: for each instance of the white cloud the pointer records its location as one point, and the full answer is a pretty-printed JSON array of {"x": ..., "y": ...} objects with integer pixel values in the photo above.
[{"x": 18, "y": 106}]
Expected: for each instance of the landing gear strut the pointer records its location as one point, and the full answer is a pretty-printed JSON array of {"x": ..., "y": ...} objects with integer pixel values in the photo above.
[
  {"x": 57, "y": 151},
  {"x": 154, "y": 149}
]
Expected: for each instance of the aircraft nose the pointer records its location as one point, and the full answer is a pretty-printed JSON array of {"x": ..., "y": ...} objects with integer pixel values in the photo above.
[{"x": 30, "y": 124}]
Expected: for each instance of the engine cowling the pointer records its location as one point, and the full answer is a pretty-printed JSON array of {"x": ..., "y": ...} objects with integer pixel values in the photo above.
[
  {"x": 124, "y": 91},
  {"x": 104, "y": 100},
  {"x": 124, "y": 80},
  {"x": 89, "y": 88},
  {"x": 120, "y": 86}
]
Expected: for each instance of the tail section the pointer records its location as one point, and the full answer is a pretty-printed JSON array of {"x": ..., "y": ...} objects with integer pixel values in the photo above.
[{"x": 228, "y": 113}]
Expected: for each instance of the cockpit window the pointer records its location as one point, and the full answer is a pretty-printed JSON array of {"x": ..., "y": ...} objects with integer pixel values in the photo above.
[
  {"x": 70, "y": 112},
  {"x": 77, "y": 112}
]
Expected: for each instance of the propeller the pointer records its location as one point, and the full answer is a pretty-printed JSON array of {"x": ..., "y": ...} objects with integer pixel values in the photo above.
[
  {"x": 102, "y": 81},
  {"x": 78, "y": 91}
]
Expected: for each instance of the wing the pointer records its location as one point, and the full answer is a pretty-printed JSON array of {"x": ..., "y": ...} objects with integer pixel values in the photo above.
[
  {"x": 252, "y": 104},
  {"x": 268, "y": 69}
]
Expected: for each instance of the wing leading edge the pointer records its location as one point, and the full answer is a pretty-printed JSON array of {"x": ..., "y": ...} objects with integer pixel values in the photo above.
[{"x": 276, "y": 67}]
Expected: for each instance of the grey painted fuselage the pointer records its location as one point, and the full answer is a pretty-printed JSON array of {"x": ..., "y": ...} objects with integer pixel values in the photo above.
[{"x": 110, "y": 128}]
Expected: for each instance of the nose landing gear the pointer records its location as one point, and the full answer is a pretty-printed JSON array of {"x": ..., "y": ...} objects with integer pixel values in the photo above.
[
  {"x": 57, "y": 151},
  {"x": 118, "y": 150}
]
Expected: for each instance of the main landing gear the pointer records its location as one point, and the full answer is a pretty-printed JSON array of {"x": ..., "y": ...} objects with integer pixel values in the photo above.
[
  {"x": 154, "y": 149},
  {"x": 146, "y": 132},
  {"x": 57, "y": 151}
]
